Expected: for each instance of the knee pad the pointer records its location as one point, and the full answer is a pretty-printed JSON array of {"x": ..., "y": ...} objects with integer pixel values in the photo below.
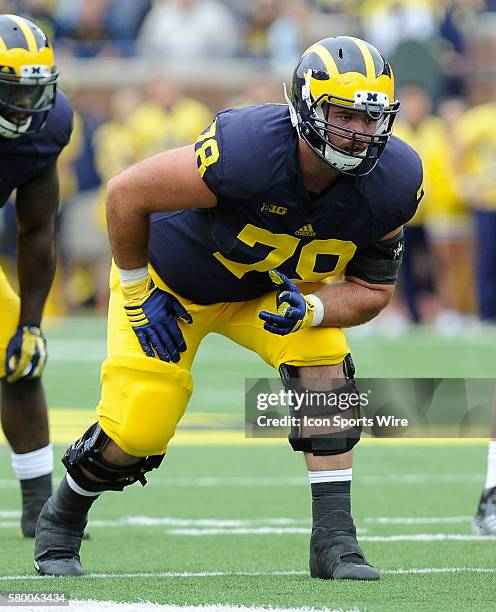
[
  {"x": 87, "y": 453},
  {"x": 322, "y": 426}
]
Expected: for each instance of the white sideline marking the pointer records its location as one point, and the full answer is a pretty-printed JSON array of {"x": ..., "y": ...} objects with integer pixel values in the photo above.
[
  {"x": 401, "y": 570},
  {"x": 10, "y": 513},
  {"x": 418, "y": 520},
  {"x": 260, "y": 526},
  {"x": 148, "y": 521},
  {"x": 291, "y": 481},
  {"x": 441, "y": 570},
  {"x": 271, "y": 526},
  {"x": 148, "y": 606},
  {"x": 416, "y": 537},
  {"x": 207, "y": 523},
  {"x": 428, "y": 537},
  {"x": 267, "y": 530},
  {"x": 238, "y": 531}
]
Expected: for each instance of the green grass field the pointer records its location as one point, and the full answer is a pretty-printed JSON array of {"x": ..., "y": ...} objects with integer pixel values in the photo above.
[{"x": 225, "y": 521}]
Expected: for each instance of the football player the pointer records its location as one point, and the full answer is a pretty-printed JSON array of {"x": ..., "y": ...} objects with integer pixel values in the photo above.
[
  {"x": 236, "y": 235},
  {"x": 35, "y": 125},
  {"x": 485, "y": 517}
]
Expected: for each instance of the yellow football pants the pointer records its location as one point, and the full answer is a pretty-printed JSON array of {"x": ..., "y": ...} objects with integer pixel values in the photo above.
[
  {"x": 9, "y": 307},
  {"x": 143, "y": 398}
]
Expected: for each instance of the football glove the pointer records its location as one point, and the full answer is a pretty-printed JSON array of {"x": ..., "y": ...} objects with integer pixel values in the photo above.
[
  {"x": 294, "y": 310},
  {"x": 153, "y": 315},
  {"x": 26, "y": 354}
]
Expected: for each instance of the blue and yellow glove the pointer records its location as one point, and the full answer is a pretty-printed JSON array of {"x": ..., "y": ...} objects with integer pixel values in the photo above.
[
  {"x": 153, "y": 315},
  {"x": 294, "y": 310},
  {"x": 26, "y": 354}
]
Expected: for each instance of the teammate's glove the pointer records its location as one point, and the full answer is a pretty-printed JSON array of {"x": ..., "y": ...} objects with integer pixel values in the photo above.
[
  {"x": 153, "y": 315},
  {"x": 294, "y": 310},
  {"x": 26, "y": 354}
]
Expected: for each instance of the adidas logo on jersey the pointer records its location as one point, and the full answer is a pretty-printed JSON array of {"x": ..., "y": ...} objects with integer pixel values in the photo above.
[{"x": 306, "y": 230}]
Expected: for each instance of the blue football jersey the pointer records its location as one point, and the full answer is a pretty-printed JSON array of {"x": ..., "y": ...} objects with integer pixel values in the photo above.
[
  {"x": 22, "y": 159},
  {"x": 265, "y": 218}
]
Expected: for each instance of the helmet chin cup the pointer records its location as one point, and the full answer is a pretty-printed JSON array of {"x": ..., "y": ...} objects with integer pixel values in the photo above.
[
  {"x": 341, "y": 161},
  {"x": 12, "y": 130}
]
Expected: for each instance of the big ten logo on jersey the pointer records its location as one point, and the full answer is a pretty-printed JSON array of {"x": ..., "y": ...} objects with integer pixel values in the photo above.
[{"x": 274, "y": 209}]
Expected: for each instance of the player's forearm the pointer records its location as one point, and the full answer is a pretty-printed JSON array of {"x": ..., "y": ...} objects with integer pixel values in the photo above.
[
  {"x": 36, "y": 261},
  {"x": 127, "y": 221},
  {"x": 347, "y": 303}
]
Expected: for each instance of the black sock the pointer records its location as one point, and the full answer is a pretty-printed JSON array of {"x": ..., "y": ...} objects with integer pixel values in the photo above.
[
  {"x": 329, "y": 496},
  {"x": 35, "y": 492},
  {"x": 72, "y": 508},
  {"x": 326, "y": 498}
]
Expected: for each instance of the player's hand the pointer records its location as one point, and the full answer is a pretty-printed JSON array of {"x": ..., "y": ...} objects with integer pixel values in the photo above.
[
  {"x": 294, "y": 310},
  {"x": 26, "y": 354},
  {"x": 153, "y": 315}
]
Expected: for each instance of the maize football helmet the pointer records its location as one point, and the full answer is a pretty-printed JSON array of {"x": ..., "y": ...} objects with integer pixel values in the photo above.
[
  {"x": 28, "y": 76},
  {"x": 348, "y": 73}
]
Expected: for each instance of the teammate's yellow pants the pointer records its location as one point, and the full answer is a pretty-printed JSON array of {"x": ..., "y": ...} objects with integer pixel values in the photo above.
[
  {"x": 9, "y": 318},
  {"x": 144, "y": 398}
]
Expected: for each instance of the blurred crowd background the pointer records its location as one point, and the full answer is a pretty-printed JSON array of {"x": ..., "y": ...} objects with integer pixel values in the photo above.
[{"x": 147, "y": 75}]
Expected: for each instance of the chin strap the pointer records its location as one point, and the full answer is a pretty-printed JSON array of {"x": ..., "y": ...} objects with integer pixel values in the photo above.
[
  {"x": 11, "y": 130},
  {"x": 292, "y": 110}
]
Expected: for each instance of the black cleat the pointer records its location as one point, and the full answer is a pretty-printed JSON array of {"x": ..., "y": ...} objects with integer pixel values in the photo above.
[
  {"x": 485, "y": 519},
  {"x": 335, "y": 553},
  {"x": 59, "y": 533},
  {"x": 35, "y": 492}
]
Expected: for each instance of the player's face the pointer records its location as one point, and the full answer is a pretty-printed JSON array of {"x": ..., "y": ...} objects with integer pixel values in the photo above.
[
  {"x": 21, "y": 97},
  {"x": 350, "y": 120}
]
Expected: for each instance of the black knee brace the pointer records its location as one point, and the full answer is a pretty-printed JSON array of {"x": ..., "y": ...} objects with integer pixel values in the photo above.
[
  {"x": 324, "y": 439},
  {"x": 87, "y": 453}
]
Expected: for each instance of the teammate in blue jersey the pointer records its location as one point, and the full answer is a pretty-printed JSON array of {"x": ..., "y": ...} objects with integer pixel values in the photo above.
[
  {"x": 241, "y": 235},
  {"x": 35, "y": 125}
]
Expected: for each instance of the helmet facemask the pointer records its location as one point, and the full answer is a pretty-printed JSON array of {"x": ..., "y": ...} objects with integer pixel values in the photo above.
[{"x": 22, "y": 98}]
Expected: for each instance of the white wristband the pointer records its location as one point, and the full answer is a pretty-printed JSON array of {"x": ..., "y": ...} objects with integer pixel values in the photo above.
[
  {"x": 131, "y": 276},
  {"x": 318, "y": 317}
]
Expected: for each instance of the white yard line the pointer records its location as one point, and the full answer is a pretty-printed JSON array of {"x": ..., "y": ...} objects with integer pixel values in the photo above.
[{"x": 405, "y": 571}]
